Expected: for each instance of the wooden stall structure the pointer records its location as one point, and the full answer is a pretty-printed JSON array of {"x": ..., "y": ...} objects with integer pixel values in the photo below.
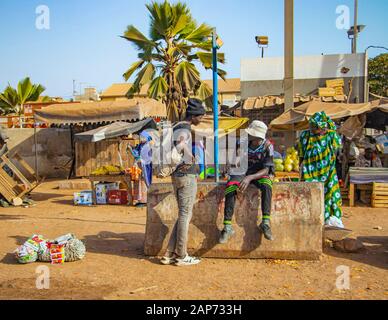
[
  {"x": 90, "y": 156},
  {"x": 372, "y": 184},
  {"x": 17, "y": 178}
]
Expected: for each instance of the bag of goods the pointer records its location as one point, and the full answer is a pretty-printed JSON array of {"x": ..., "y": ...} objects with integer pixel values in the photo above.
[
  {"x": 28, "y": 252},
  {"x": 57, "y": 253},
  {"x": 135, "y": 173},
  {"x": 74, "y": 250},
  {"x": 25, "y": 255}
]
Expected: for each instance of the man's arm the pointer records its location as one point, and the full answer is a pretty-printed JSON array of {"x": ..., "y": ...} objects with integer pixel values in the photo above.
[
  {"x": 267, "y": 162},
  {"x": 248, "y": 179}
]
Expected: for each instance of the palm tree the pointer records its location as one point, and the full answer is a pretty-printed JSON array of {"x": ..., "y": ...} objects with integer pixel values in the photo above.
[
  {"x": 166, "y": 58},
  {"x": 13, "y": 100}
]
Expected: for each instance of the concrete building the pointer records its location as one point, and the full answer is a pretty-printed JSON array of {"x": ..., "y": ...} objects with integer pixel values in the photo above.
[
  {"x": 90, "y": 94},
  {"x": 229, "y": 91},
  {"x": 264, "y": 77}
]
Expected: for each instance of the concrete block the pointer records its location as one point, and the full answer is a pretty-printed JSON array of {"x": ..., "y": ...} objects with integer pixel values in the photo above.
[
  {"x": 297, "y": 222},
  {"x": 78, "y": 184}
]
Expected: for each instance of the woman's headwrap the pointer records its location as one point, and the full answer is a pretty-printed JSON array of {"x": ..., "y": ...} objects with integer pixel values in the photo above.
[
  {"x": 146, "y": 136},
  {"x": 321, "y": 121}
]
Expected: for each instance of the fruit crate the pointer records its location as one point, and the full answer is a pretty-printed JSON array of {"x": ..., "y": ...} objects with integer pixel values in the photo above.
[
  {"x": 287, "y": 176},
  {"x": 380, "y": 195}
]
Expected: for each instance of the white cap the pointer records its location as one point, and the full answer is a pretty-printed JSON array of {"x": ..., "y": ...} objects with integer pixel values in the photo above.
[{"x": 257, "y": 129}]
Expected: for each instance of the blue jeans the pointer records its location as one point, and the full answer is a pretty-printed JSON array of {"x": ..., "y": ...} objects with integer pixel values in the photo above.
[{"x": 185, "y": 190}]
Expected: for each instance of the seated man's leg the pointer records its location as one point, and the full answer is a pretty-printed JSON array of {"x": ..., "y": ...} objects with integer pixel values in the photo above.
[
  {"x": 230, "y": 200},
  {"x": 265, "y": 186}
]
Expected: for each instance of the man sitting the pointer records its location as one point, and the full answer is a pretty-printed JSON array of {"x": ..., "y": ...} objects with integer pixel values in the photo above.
[
  {"x": 260, "y": 172},
  {"x": 370, "y": 159}
]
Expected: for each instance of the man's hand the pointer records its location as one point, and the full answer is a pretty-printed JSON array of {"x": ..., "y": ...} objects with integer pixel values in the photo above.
[{"x": 245, "y": 183}]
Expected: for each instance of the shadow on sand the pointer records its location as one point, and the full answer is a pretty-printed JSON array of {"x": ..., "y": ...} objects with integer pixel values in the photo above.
[{"x": 374, "y": 254}]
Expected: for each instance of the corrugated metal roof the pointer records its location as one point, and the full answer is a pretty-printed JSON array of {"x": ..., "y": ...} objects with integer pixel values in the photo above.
[{"x": 271, "y": 101}]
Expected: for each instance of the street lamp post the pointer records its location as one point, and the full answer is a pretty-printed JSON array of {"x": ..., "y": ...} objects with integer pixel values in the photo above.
[
  {"x": 215, "y": 104},
  {"x": 263, "y": 42}
]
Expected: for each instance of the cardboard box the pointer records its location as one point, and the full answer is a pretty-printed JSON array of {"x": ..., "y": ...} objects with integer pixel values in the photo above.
[
  {"x": 118, "y": 197},
  {"x": 83, "y": 198},
  {"x": 102, "y": 190}
]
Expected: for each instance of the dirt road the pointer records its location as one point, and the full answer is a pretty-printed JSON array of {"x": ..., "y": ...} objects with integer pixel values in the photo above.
[{"x": 115, "y": 267}]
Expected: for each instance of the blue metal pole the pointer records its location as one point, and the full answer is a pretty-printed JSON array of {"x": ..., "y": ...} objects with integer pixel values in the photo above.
[{"x": 215, "y": 106}]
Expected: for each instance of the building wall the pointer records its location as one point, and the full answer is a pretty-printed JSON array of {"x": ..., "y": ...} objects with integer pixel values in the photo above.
[
  {"x": 301, "y": 86},
  {"x": 265, "y": 76},
  {"x": 53, "y": 149}
]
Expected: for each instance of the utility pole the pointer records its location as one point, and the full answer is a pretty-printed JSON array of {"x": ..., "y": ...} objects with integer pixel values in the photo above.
[
  {"x": 289, "y": 64},
  {"x": 74, "y": 92},
  {"x": 354, "y": 47},
  {"x": 288, "y": 54}
]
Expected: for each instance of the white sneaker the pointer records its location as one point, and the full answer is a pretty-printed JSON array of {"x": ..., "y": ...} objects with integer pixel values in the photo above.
[
  {"x": 168, "y": 260},
  {"x": 187, "y": 261}
]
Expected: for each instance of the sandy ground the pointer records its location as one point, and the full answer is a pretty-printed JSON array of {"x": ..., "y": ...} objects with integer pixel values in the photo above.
[{"x": 115, "y": 267}]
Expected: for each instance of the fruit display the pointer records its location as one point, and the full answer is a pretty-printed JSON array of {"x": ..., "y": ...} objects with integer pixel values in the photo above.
[{"x": 290, "y": 163}]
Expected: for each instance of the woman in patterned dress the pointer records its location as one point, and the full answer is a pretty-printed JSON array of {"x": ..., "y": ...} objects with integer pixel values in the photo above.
[{"x": 317, "y": 149}]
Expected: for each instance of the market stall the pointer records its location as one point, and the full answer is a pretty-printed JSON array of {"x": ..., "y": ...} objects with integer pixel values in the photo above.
[
  {"x": 351, "y": 120},
  {"x": 88, "y": 156}
]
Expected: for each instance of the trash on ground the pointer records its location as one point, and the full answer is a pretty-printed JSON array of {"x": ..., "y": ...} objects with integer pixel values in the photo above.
[{"x": 66, "y": 248}]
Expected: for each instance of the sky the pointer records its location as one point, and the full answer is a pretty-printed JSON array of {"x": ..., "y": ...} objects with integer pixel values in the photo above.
[{"x": 83, "y": 43}]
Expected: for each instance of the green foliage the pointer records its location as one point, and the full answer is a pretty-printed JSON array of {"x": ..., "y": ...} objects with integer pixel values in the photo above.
[
  {"x": 167, "y": 57},
  {"x": 378, "y": 75},
  {"x": 13, "y": 100}
]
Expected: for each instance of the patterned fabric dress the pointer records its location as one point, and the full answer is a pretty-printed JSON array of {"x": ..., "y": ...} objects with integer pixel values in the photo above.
[{"x": 319, "y": 162}]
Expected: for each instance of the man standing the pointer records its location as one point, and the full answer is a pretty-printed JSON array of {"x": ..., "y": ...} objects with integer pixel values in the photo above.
[
  {"x": 184, "y": 180},
  {"x": 260, "y": 173}
]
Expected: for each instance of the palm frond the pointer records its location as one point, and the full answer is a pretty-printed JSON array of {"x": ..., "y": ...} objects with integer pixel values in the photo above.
[
  {"x": 25, "y": 90},
  {"x": 132, "y": 69},
  {"x": 144, "y": 76},
  {"x": 141, "y": 42},
  {"x": 200, "y": 35},
  {"x": 206, "y": 58},
  {"x": 187, "y": 73},
  {"x": 222, "y": 74},
  {"x": 158, "y": 88},
  {"x": 205, "y": 93}
]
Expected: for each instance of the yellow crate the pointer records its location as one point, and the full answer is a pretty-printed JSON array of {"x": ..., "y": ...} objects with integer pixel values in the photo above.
[
  {"x": 339, "y": 91},
  {"x": 380, "y": 195},
  {"x": 335, "y": 83},
  {"x": 326, "y": 92}
]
